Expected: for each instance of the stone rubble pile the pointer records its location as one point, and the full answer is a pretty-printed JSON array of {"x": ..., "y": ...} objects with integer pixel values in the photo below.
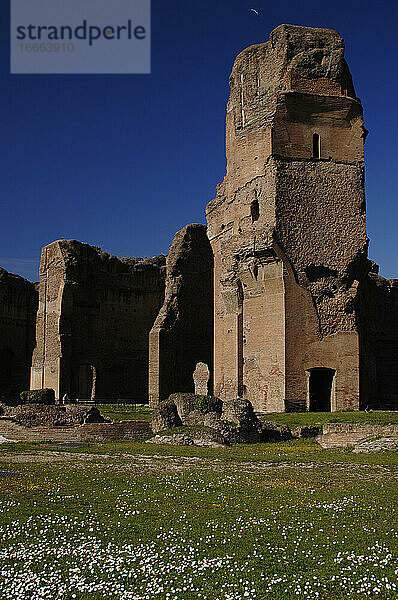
[
  {"x": 42, "y": 415},
  {"x": 207, "y": 421}
]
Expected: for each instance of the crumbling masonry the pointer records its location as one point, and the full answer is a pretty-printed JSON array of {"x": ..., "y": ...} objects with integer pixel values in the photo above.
[
  {"x": 277, "y": 297},
  {"x": 95, "y": 312},
  {"x": 18, "y": 307},
  {"x": 288, "y": 225}
]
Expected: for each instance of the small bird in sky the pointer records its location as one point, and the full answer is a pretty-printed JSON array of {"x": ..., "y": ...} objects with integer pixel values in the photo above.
[{"x": 255, "y": 11}]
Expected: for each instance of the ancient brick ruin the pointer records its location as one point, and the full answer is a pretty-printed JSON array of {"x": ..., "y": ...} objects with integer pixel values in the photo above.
[
  {"x": 378, "y": 338},
  {"x": 288, "y": 232},
  {"x": 277, "y": 297},
  {"x": 288, "y": 226},
  {"x": 182, "y": 334},
  {"x": 95, "y": 313},
  {"x": 18, "y": 306}
]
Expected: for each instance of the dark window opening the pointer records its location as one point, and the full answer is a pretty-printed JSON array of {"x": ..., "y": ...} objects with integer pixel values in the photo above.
[
  {"x": 316, "y": 146},
  {"x": 255, "y": 272},
  {"x": 320, "y": 389},
  {"x": 255, "y": 210}
]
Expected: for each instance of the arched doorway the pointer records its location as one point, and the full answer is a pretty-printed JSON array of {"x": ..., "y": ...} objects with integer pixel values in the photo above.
[{"x": 320, "y": 389}]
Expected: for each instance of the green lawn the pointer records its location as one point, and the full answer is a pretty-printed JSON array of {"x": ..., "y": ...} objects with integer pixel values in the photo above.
[
  {"x": 136, "y": 521},
  {"x": 120, "y": 412},
  {"x": 377, "y": 417},
  {"x": 143, "y": 412}
]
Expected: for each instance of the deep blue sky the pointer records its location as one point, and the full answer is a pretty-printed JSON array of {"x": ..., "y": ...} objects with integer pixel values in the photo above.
[{"x": 123, "y": 162}]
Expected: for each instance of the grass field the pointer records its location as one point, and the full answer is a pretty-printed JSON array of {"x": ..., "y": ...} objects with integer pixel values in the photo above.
[
  {"x": 143, "y": 412},
  {"x": 120, "y": 412},
  {"x": 377, "y": 417},
  {"x": 140, "y": 522}
]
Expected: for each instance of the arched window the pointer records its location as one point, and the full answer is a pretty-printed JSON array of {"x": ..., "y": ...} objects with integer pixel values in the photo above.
[
  {"x": 255, "y": 210},
  {"x": 316, "y": 146}
]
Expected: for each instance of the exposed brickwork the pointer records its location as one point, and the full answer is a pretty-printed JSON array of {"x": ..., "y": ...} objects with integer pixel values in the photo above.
[
  {"x": 288, "y": 226},
  {"x": 95, "y": 313},
  {"x": 182, "y": 334},
  {"x": 18, "y": 306},
  {"x": 201, "y": 377},
  {"x": 30, "y": 415},
  {"x": 91, "y": 432},
  {"x": 347, "y": 434},
  {"x": 300, "y": 318}
]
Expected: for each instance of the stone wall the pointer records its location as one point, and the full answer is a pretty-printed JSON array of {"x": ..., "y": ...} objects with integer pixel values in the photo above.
[
  {"x": 89, "y": 433},
  {"x": 18, "y": 306},
  {"x": 300, "y": 319},
  {"x": 95, "y": 314},
  {"x": 335, "y": 435},
  {"x": 182, "y": 334},
  {"x": 378, "y": 324},
  {"x": 288, "y": 227}
]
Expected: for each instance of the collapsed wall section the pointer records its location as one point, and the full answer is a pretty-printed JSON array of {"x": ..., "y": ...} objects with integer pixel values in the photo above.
[
  {"x": 95, "y": 313},
  {"x": 18, "y": 306},
  {"x": 182, "y": 334}
]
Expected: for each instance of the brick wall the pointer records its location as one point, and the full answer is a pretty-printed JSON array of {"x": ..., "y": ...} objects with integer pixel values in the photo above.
[{"x": 18, "y": 306}]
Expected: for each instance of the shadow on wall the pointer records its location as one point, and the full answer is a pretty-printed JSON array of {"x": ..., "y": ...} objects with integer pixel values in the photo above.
[
  {"x": 378, "y": 336},
  {"x": 18, "y": 307},
  {"x": 182, "y": 335}
]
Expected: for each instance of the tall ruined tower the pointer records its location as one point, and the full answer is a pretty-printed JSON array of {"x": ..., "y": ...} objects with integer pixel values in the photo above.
[{"x": 288, "y": 227}]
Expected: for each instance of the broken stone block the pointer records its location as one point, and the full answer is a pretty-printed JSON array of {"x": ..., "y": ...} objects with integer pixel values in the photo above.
[
  {"x": 241, "y": 412},
  {"x": 307, "y": 431},
  {"x": 42, "y": 415},
  {"x": 201, "y": 377},
  {"x": 175, "y": 439},
  {"x": 273, "y": 432},
  {"x": 165, "y": 416},
  {"x": 211, "y": 438},
  {"x": 186, "y": 403},
  {"x": 45, "y": 396}
]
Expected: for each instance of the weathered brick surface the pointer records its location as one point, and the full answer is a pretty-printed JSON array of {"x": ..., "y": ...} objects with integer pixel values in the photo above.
[
  {"x": 91, "y": 432},
  {"x": 288, "y": 228},
  {"x": 182, "y": 334},
  {"x": 95, "y": 313},
  {"x": 18, "y": 306},
  {"x": 350, "y": 434},
  {"x": 295, "y": 297},
  {"x": 201, "y": 379},
  {"x": 31, "y": 415}
]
